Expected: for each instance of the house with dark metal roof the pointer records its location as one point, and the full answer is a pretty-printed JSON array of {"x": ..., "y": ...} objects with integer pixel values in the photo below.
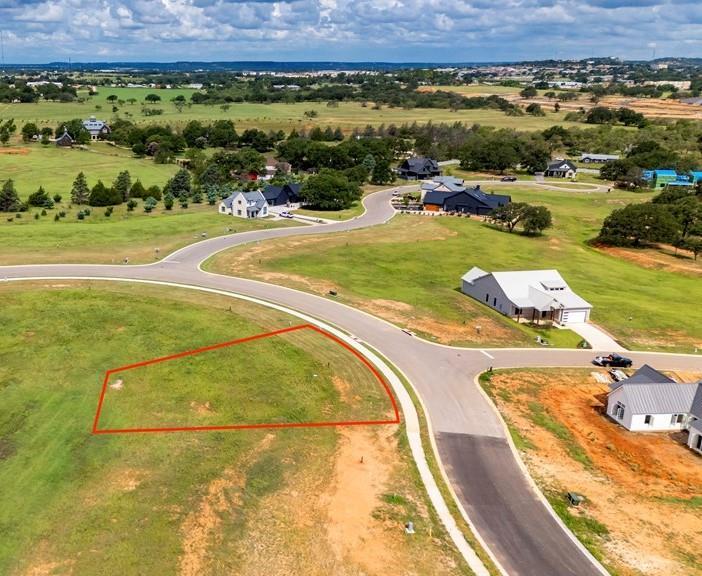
[
  {"x": 282, "y": 195},
  {"x": 561, "y": 169},
  {"x": 444, "y": 184},
  {"x": 589, "y": 158},
  {"x": 245, "y": 205},
  {"x": 466, "y": 201},
  {"x": 694, "y": 438},
  {"x": 649, "y": 401},
  {"x": 419, "y": 168},
  {"x": 65, "y": 140}
]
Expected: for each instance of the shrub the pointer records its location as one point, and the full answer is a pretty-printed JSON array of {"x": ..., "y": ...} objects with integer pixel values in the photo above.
[{"x": 131, "y": 205}]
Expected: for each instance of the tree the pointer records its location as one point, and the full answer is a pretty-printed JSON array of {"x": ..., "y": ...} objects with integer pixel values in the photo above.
[
  {"x": 7, "y": 129},
  {"x": 152, "y": 98},
  {"x": 9, "y": 199},
  {"x": 29, "y": 131},
  {"x": 111, "y": 98},
  {"x": 329, "y": 190},
  {"x": 688, "y": 212},
  {"x": 80, "y": 191},
  {"x": 101, "y": 195},
  {"x": 40, "y": 198},
  {"x": 638, "y": 224},
  {"x": 528, "y": 92},
  {"x": 510, "y": 214},
  {"x": 137, "y": 190},
  {"x": 150, "y": 203},
  {"x": 180, "y": 183},
  {"x": 154, "y": 191},
  {"x": 536, "y": 220},
  {"x": 368, "y": 162},
  {"x": 382, "y": 172},
  {"x": 600, "y": 115},
  {"x": 122, "y": 185},
  {"x": 535, "y": 109}
]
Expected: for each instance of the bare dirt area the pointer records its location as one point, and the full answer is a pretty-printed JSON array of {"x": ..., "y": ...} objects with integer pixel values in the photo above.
[
  {"x": 662, "y": 258},
  {"x": 640, "y": 487},
  {"x": 340, "y": 516},
  {"x": 14, "y": 151}
]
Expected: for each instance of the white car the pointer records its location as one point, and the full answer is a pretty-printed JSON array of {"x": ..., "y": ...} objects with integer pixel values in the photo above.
[{"x": 286, "y": 214}]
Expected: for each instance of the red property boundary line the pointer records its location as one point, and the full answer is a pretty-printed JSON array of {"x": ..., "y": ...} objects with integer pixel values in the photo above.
[{"x": 396, "y": 420}]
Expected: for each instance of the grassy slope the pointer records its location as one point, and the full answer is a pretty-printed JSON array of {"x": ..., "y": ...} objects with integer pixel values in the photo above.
[
  {"x": 348, "y": 115},
  {"x": 420, "y": 263},
  {"x": 86, "y": 504},
  {"x": 56, "y": 168},
  {"x": 99, "y": 239}
]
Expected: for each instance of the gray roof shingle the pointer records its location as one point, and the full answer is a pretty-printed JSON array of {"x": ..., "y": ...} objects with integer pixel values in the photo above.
[{"x": 659, "y": 398}]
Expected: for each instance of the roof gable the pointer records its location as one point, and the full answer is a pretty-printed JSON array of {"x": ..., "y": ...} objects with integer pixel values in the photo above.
[{"x": 659, "y": 398}]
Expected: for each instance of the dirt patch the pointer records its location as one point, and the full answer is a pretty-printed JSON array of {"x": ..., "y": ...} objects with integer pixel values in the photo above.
[
  {"x": 632, "y": 481},
  {"x": 127, "y": 480},
  {"x": 117, "y": 384},
  {"x": 363, "y": 467},
  {"x": 50, "y": 568},
  {"x": 200, "y": 528},
  {"x": 14, "y": 151},
  {"x": 658, "y": 259},
  {"x": 201, "y": 409}
]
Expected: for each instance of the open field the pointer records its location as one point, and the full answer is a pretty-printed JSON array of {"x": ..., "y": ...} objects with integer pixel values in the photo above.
[
  {"x": 348, "y": 115},
  {"x": 55, "y": 168},
  {"x": 409, "y": 270},
  {"x": 106, "y": 240},
  {"x": 641, "y": 515},
  {"x": 189, "y": 503}
]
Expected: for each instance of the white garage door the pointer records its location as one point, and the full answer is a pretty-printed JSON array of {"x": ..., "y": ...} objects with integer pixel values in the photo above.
[{"x": 573, "y": 316}]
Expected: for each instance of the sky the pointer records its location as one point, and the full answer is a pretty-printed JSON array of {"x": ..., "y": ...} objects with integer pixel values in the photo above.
[{"x": 37, "y": 31}]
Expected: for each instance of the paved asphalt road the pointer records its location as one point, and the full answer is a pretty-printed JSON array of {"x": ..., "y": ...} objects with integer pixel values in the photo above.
[{"x": 506, "y": 511}]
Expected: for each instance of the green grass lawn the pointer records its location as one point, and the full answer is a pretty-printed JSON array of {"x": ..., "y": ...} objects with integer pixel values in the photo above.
[
  {"x": 197, "y": 502},
  {"x": 55, "y": 168},
  {"x": 348, "y": 115},
  {"x": 409, "y": 270},
  {"x": 103, "y": 240}
]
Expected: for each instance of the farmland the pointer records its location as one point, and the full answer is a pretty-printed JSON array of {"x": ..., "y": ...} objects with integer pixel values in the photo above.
[
  {"x": 641, "y": 510},
  {"x": 277, "y": 116},
  {"x": 409, "y": 270},
  {"x": 191, "y": 503}
]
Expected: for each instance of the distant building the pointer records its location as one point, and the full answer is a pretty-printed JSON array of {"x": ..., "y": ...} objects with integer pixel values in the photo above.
[
  {"x": 245, "y": 205},
  {"x": 282, "y": 195},
  {"x": 561, "y": 169},
  {"x": 419, "y": 168},
  {"x": 97, "y": 129},
  {"x": 649, "y": 401},
  {"x": 598, "y": 158},
  {"x": 530, "y": 295},
  {"x": 65, "y": 140},
  {"x": 662, "y": 178}
]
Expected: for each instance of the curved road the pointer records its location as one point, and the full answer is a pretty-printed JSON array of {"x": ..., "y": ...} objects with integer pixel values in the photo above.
[{"x": 505, "y": 509}]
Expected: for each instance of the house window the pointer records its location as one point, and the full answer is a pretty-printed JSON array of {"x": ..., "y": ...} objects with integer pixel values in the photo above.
[
  {"x": 618, "y": 411},
  {"x": 699, "y": 442},
  {"x": 543, "y": 314},
  {"x": 676, "y": 419},
  {"x": 494, "y": 301},
  {"x": 487, "y": 297},
  {"x": 648, "y": 420},
  {"x": 517, "y": 311},
  {"x": 238, "y": 212}
]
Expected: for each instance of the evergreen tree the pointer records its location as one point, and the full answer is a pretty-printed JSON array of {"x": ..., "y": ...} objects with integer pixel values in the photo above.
[
  {"x": 40, "y": 198},
  {"x": 101, "y": 195},
  {"x": 168, "y": 200},
  {"x": 9, "y": 199},
  {"x": 80, "y": 191},
  {"x": 137, "y": 190},
  {"x": 180, "y": 184},
  {"x": 122, "y": 185}
]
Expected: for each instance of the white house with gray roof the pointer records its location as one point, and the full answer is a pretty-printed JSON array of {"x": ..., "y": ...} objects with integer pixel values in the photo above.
[
  {"x": 530, "y": 295},
  {"x": 649, "y": 401},
  {"x": 694, "y": 439},
  {"x": 245, "y": 205}
]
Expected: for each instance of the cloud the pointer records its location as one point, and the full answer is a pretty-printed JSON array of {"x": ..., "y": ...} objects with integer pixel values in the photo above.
[{"x": 404, "y": 30}]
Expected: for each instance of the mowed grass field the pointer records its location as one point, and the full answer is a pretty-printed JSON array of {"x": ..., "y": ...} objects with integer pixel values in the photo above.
[
  {"x": 409, "y": 271},
  {"x": 348, "y": 115},
  {"x": 34, "y": 165},
  {"x": 142, "y": 238},
  {"x": 192, "y": 503}
]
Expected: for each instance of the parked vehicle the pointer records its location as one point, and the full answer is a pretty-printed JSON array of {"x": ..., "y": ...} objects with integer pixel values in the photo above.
[
  {"x": 286, "y": 214},
  {"x": 613, "y": 361},
  {"x": 508, "y": 179}
]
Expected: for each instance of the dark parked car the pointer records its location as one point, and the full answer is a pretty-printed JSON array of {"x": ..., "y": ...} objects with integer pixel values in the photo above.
[
  {"x": 508, "y": 179},
  {"x": 613, "y": 361}
]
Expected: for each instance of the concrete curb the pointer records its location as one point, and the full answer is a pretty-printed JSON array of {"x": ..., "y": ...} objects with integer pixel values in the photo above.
[{"x": 535, "y": 489}]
